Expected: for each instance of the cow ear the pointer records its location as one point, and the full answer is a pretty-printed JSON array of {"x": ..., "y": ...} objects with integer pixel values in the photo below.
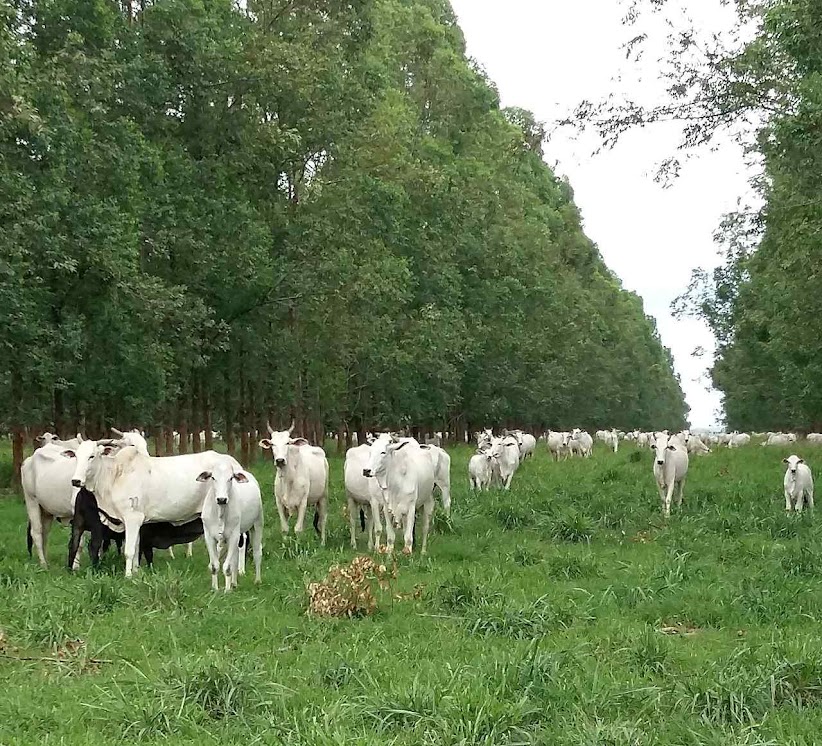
[
  {"x": 801, "y": 461},
  {"x": 671, "y": 448},
  {"x": 68, "y": 453},
  {"x": 785, "y": 461},
  {"x": 204, "y": 476},
  {"x": 108, "y": 450},
  {"x": 241, "y": 477},
  {"x": 653, "y": 446},
  {"x": 265, "y": 444},
  {"x": 298, "y": 442}
]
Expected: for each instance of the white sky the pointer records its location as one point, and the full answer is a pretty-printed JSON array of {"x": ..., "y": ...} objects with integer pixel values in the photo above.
[{"x": 547, "y": 56}]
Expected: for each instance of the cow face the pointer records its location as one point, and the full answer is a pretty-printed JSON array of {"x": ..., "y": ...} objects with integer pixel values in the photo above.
[
  {"x": 793, "y": 462},
  {"x": 221, "y": 478},
  {"x": 660, "y": 446},
  {"x": 278, "y": 442}
]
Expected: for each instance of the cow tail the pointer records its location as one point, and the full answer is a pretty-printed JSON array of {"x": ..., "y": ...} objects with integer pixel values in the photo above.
[
  {"x": 362, "y": 519},
  {"x": 29, "y": 540}
]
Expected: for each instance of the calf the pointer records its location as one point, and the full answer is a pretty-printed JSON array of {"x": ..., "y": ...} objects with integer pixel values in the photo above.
[
  {"x": 480, "y": 470},
  {"x": 798, "y": 484},
  {"x": 89, "y": 517}
]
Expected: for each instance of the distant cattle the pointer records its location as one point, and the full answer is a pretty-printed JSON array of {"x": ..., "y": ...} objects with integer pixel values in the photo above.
[{"x": 480, "y": 470}]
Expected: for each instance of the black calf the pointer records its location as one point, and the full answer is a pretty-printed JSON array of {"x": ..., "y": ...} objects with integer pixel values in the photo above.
[
  {"x": 87, "y": 518},
  {"x": 164, "y": 535}
]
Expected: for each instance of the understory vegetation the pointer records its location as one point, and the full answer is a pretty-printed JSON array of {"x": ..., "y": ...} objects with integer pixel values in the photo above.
[{"x": 565, "y": 612}]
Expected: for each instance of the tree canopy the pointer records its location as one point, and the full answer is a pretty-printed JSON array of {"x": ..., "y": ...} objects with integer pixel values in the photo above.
[{"x": 214, "y": 213}]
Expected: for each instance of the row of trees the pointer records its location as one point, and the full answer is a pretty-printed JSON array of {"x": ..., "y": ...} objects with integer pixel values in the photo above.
[
  {"x": 759, "y": 84},
  {"x": 214, "y": 214}
]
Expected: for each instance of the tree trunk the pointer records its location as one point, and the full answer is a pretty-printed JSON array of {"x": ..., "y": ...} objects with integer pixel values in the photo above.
[
  {"x": 16, "y": 455},
  {"x": 196, "y": 409},
  {"x": 207, "y": 425},
  {"x": 58, "y": 414},
  {"x": 157, "y": 434},
  {"x": 342, "y": 439},
  {"x": 168, "y": 435},
  {"x": 182, "y": 429}
]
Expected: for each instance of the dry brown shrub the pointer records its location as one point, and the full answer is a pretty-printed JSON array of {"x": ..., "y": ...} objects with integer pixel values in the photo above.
[{"x": 350, "y": 590}]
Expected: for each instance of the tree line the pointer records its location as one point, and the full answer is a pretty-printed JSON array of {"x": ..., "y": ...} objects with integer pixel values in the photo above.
[{"x": 215, "y": 215}]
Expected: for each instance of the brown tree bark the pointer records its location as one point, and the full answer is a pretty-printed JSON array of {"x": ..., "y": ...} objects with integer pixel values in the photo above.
[
  {"x": 159, "y": 441},
  {"x": 16, "y": 455}
]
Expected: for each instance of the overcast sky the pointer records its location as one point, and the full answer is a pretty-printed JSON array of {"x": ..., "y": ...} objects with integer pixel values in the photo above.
[{"x": 547, "y": 56}]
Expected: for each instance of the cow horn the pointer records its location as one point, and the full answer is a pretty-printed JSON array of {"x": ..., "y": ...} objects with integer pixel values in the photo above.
[
  {"x": 293, "y": 425},
  {"x": 270, "y": 429},
  {"x": 118, "y": 433}
]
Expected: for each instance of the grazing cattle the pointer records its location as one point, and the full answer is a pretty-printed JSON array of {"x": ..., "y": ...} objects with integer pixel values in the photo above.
[
  {"x": 643, "y": 440},
  {"x": 737, "y": 440},
  {"x": 232, "y": 506},
  {"x": 363, "y": 492},
  {"x": 137, "y": 488},
  {"x": 814, "y": 438},
  {"x": 780, "y": 439},
  {"x": 696, "y": 446},
  {"x": 798, "y": 484},
  {"x": 434, "y": 440},
  {"x": 301, "y": 478},
  {"x": 557, "y": 444},
  {"x": 404, "y": 473},
  {"x": 505, "y": 452},
  {"x": 165, "y": 535},
  {"x": 527, "y": 446},
  {"x": 480, "y": 471},
  {"x": 670, "y": 468}
]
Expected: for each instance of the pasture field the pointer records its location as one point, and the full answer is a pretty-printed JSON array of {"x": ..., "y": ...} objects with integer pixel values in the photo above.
[{"x": 564, "y": 612}]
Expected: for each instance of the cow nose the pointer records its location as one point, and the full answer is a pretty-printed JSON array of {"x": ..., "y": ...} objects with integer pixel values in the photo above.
[
  {"x": 661, "y": 463},
  {"x": 222, "y": 501},
  {"x": 76, "y": 483},
  {"x": 366, "y": 472},
  {"x": 279, "y": 461}
]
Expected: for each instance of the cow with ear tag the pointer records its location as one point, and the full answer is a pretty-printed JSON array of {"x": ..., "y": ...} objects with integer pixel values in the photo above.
[
  {"x": 670, "y": 468},
  {"x": 301, "y": 478},
  {"x": 232, "y": 507},
  {"x": 404, "y": 473},
  {"x": 798, "y": 484}
]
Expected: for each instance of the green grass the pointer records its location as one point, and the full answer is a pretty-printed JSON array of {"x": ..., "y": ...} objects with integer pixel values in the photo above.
[{"x": 535, "y": 619}]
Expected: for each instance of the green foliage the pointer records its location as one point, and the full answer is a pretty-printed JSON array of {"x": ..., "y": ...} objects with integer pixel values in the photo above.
[{"x": 312, "y": 208}]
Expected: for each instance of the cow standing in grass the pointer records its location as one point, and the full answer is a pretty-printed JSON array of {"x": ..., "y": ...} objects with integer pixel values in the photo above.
[
  {"x": 670, "y": 468},
  {"x": 798, "y": 484}
]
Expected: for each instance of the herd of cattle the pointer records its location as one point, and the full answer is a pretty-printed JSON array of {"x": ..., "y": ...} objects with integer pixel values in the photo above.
[{"x": 117, "y": 492}]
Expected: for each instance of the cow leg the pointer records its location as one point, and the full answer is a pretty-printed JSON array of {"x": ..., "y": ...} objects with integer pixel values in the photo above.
[
  {"x": 95, "y": 546},
  {"x": 800, "y": 500},
  {"x": 301, "y": 509},
  {"x": 74, "y": 541},
  {"x": 283, "y": 519},
  {"x": 257, "y": 544},
  {"x": 352, "y": 522},
  {"x": 681, "y": 493},
  {"x": 375, "y": 523},
  {"x": 147, "y": 552},
  {"x": 190, "y": 549},
  {"x": 390, "y": 536},
  {"x": 427, "y": 510},
  {"x": 788, "y": 502},
  {"x": 35, "y": 527},
  {"x": 445, "y": 494},
  {"x": 231, "y": 558},
  {"x": 46, "y": 521},
  {"x": 410, "y": 517},
  {"x": 133, "y": 522},
  {"x": 810, "y": 499},
  {"x": 171, "y": 552},
  {"x": 668, "y": 495},
  {"x": 213, "y": 558},
  {"x": 243, "y": 545},
  {"x": 322, "y": 508}
]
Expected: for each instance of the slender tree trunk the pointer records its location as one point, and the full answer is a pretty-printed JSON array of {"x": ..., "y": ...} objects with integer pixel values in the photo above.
[
  {"x": 157, "y": 434},
  {"x": 195, "y": 417},
  {"x": 182, "y": 429},
  {"x": 342, "y": 439},
  {"x": 58, "y": 413},
  {"x": 207, "y": 424},
  {"x": 168, "y": 436},
  {"x": 16, "y": 455},
  {"x": 349, "y": 440}
]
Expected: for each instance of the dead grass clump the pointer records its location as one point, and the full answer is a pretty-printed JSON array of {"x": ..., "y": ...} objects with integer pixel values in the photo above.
[{"x": 350, "y": 590}]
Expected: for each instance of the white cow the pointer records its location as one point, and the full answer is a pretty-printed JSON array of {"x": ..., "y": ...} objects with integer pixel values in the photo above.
[
  {"x": 47, "y": 491},
  {"x": 484, "y": 437},
  {"x": 363, "y": 492},
  {"x": 434, "y": 440},
  {"x": 737, "y": 440},
  {"x": 780, "y": 439},
  {"x": 670, "y": 468},
  {"x": 643, "y": 440},
  {"x": 506, "y": 455},
  {"x": 814, "y": 438},
  {"x": 404, "y": 473},
  {"x": 527, "y": 446},
  {"x": 696, "y": 446},
  {"x": 610, "y": 438},
  {"x": 48, "y": 438},
  {"x": 137, "y": 488},
  {"x": 581, "y": 443},
  {"x": 301, "y": 480},
  {"x": 798, "y": 484},
  {"x": 480, "y": 471},
  {"x": 557, "y": 443},
  {"x": 232, "y": 506}
]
